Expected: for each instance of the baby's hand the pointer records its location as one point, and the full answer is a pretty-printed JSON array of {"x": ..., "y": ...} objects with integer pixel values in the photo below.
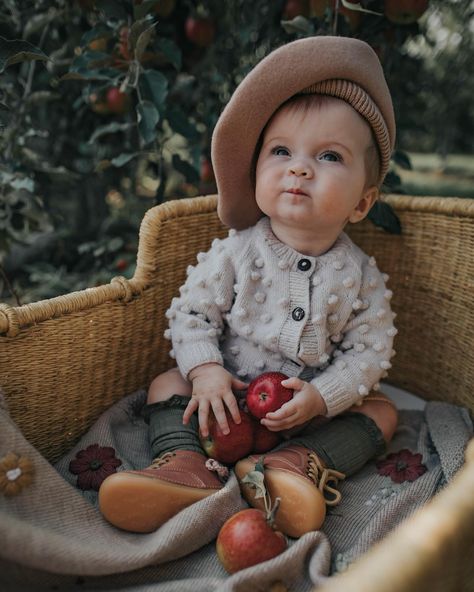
[
  {"x": 305, "y": 404},
  {"x": 212, "y": 387}
]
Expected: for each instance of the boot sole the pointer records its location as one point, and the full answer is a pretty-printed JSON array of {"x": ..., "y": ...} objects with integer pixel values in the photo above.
[
  {"x": 137, "y": 503},
  {"x": 302, "y": 507}
]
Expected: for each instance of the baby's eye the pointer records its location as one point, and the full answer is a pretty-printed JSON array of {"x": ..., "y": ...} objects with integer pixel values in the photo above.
[
  {"x": 331, "y": 156},
  {"x": 281, "y": 151}
]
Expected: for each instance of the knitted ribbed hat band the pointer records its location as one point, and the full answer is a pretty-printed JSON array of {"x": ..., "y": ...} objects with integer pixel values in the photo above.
[{"x": 358, "y": 99}]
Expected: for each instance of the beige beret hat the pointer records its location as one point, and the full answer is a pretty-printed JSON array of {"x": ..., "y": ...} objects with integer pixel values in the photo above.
[{"x": 343, "y": 67}]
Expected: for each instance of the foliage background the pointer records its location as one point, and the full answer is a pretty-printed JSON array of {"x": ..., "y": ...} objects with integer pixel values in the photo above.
[{"x": 81, "y": 164}]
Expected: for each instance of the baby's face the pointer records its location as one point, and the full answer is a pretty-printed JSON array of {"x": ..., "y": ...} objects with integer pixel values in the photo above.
[{"x": 310, "y": 174}]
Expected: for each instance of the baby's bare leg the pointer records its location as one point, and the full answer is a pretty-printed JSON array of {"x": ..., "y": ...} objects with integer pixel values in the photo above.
[
  {"x": 167, "y": 384},
  {"x": 382, "y": 411}
]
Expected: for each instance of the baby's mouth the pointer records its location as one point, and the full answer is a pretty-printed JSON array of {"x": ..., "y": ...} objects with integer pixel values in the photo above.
[{"x": 296, "y": 191}]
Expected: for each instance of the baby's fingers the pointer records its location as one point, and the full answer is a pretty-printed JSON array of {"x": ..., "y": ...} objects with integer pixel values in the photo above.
[
  {"x": 203, "y": 417},
  {"x": 190, "y": 409},
  {"x": 233, "y": 407},
  {"x": 285, "y": 411},
  {"x": 294, "y": 383},
  {"x": 220, "y": 415}
]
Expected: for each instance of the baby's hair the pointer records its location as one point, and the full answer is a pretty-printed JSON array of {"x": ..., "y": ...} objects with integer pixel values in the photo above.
[{"x": 304, "y": 103}]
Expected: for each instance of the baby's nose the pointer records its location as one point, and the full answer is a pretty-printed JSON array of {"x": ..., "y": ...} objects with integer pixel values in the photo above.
[{"x": 299, "y": 169}]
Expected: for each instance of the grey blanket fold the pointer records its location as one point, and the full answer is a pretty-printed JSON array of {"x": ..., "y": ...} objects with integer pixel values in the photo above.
[{"x": 53, "y": 537}]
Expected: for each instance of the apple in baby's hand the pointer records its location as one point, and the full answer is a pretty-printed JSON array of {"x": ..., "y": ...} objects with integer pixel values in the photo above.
[
  {"x": 264, "y": 439},
  {"x": 248, "y": 538},
  {"x": 230, "y": 448},
  {"x": 266, "y": 393}
]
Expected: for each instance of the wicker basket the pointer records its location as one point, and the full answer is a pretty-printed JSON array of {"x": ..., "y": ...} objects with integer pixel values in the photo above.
[{"x": 65, "y": 360}]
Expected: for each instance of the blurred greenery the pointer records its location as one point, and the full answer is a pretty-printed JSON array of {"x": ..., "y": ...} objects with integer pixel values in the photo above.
[{"x": 107, "y": 108}]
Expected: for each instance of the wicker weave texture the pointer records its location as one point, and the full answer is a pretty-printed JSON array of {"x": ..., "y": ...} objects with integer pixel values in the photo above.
[
  {"x": 67, "y": 359},
  {"x": 63, "y": 361}
]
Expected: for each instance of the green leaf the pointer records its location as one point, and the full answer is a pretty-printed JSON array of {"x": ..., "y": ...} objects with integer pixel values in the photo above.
[
  {"x": 136, "y": 30},
  {"x": 299, "y": 24},
  {"x": 383, "y": 215},
  {"x": 392, "y": 182},
  {"x": 180, "y": 123},
  {"x": 122, "y": 159},
  {"x": 402, "y": 159},
  {"x": 154, "y": 86},
  {"x": 256, "y": 480},
  {"x": 97, "y": 32},
  {"x": 171, "y": 51},
  {"x": 358, "y": 8},
  {"x": 143, "y": 40},
  {"x": 12, "y": 52},
  {"x": 186, "y": 169},
  {"x": 148, "y": 117},
  {"x": 110, "y": 128}
]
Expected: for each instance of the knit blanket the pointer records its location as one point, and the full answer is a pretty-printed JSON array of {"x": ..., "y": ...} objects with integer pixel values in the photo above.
[{"x": 52, "y": 536}]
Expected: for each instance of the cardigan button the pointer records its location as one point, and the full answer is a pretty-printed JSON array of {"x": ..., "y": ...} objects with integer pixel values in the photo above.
[
  {"x": 304, "y": 264},
  {"x": 298, "y": 314}
]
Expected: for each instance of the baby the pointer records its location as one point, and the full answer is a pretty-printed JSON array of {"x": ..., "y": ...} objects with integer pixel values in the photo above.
[{"x": 299, "y": 152}]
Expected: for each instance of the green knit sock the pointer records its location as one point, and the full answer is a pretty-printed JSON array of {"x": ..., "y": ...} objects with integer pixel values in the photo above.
[
  {"x": 167, "y": 432},
  {"x": 346, "y": 443}
]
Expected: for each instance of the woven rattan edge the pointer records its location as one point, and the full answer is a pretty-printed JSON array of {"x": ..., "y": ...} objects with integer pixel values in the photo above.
[
  {"x": 423, "y": 548},
  {"x": 151, "y": 227},
  {"x": 450, "y": 206},
  {"x": 13, "y": 319}
]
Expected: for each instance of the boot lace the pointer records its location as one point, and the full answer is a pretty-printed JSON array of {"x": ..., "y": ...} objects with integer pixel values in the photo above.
[
  {"x": 322, "y": 477},
  {"x": 161, "y": 460}
]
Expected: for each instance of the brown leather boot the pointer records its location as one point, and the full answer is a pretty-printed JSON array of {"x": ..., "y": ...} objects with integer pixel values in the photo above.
[
  {"x": 141, "y": 501},
  {"x": 297, "y": 476}
]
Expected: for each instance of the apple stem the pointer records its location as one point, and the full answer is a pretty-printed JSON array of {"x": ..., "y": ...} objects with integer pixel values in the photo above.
[{"x": 271, "y": 512}]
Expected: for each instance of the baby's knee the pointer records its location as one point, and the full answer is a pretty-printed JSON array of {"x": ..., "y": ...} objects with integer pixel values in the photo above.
[
  {"x": 382, "y": 411},
  {"x": 166, "y": 385}
]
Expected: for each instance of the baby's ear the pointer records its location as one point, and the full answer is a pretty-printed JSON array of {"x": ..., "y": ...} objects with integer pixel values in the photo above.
[{"x": 366, "y": 202}]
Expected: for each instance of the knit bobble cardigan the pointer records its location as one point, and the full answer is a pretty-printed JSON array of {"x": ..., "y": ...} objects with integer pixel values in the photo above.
[{"x": 254, "y": 304}]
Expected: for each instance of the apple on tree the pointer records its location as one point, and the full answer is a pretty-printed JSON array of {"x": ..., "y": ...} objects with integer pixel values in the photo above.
[
  {"x": 201, "y": 31},
  {"x": 266, "y": 393},
  {"x": 117, "y": 101}
]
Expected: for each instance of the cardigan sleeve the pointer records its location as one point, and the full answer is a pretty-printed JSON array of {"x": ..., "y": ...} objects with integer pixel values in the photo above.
[
  {"x": 363, "y": 356},
  {"x": 196, "y": 316}
]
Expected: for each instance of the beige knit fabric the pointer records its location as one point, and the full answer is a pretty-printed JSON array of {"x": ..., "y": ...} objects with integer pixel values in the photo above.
[{"x": 248, "y": 301}]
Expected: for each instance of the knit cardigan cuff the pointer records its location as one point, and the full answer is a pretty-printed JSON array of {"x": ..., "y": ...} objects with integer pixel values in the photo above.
[
  {"x": 191, "y": 355},
  {"x": 336, "y": 394}
]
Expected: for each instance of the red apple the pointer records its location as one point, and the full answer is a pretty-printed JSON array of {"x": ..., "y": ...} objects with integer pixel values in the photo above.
[
  {"x": 232, "y": 447},
  {"x": 248, "y": 538},
  {"x": 264, "y": 440},
  {"x": 404, "y": 12},
  {"x": 295, "y": 8},
  {"x": 201, "y": 31},
  {"x": 207, "y": 172},
  {"x": 117, "y": 101},
  {"x": 266, "y": 393}
]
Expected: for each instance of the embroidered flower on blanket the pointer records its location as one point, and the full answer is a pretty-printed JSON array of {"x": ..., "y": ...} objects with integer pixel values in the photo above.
[
  {"x": 401, "y": 466},
  {"x": 93, "y": 465},
  {"x": 16, "y": 472}
]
